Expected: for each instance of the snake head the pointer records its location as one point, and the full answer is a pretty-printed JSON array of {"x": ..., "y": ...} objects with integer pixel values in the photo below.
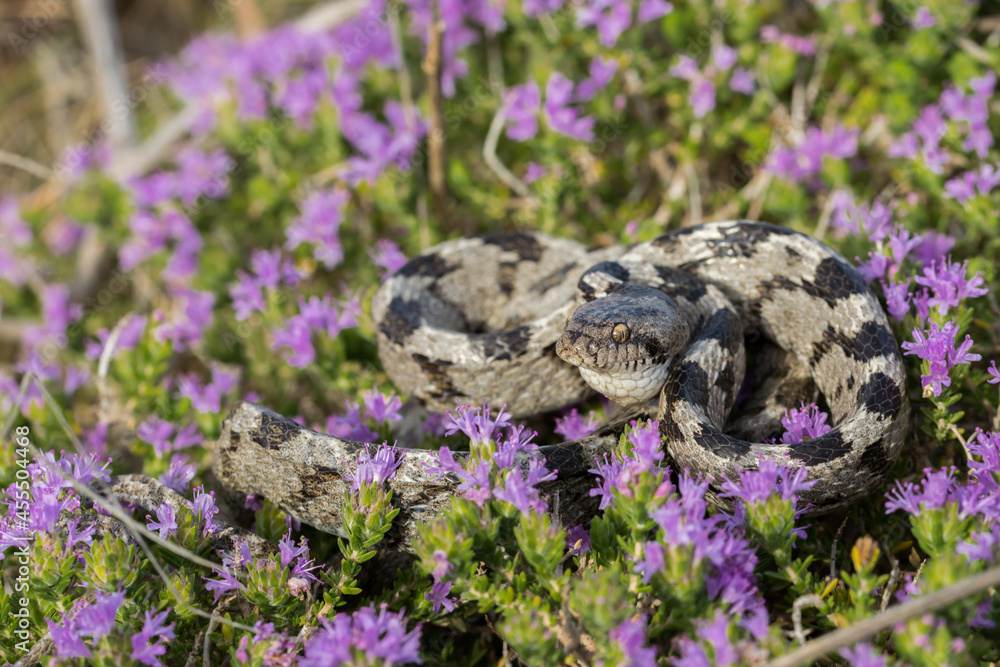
[{"x": 623, "y": 342}]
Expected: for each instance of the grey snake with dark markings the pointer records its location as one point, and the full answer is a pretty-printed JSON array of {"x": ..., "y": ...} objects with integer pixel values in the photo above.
[{"x": 664, "y": 328}]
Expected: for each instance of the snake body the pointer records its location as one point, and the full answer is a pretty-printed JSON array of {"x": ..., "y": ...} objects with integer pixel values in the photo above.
[{"x": 663, "y": 327}]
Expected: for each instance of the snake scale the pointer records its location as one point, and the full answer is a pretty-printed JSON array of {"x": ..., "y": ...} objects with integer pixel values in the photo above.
[{"x": 666, "y": 328}]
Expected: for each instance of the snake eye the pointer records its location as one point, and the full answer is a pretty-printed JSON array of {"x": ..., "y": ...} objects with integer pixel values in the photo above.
[{"x": 620, "y": 333}]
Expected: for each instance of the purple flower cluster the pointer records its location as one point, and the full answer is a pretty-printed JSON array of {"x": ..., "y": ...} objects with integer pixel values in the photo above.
[
  {"x": 804, "y": 423},
  {"x": 94, "y": 620},
  {"x": 968, "y": 185},
  {"x": 630, "y": 636},
  {"x": 375, "y": 469},
  {"x": 315, "y": 315},
  {"x": 438, "y": 595},
  {"x": 703, "y": 82},
  {"x": 806, "y": 160},
  {"x": 771, "y": 477},
  {"x": 388, "y": 256},
  {"x": 705, "y": 541},
  {"x": 494, "y": 468},
  {"x": 269, "y": 273},
  {"x": 614, "y": 17},
  {"x": 49, "y": 494},
  {"x": 617, "y": 473},
  {"x": 805, "y": 46},
  {"x": 954, "y": 106},
  {"x": 165, "y": 438},
  {"x": 322, "y": 213},
  {"x": 206, "y": 398},
  {"x": 379, "y": 409},
  {"x": 979, "y": 496},
  {"x": 364, "y": 637},
  {"x": 573, "y": 427},
  {"x": 936, "y": 346},
  {"x": 713, "y": 645}
]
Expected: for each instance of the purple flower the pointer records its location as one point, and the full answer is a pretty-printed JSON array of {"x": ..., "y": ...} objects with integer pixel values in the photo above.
[
  {"x": 533, "y": 172},
  {"x": 201, "y": 174},
  {"x": 922, "y": 19},
  {"x": 442, "y": 565},
  {"x": 190, "y": 316},
  {"x": 388, "y": 256},
  {"x": 631, "y": 639},
  {"x": 226, "y": 583},
  {"x": 806, "y": 160},
  {"x": 477, "y": 423},
  {"x": 62, "y": 235},
  {"x": 577, "y": 534},
  {"x": 180, "y": 473},
  {"x": 651, "y": 561},
  {"x": 803, "y": 424},
  {"x": 165, "y": 522},
  {"x": 156, "y": 432},
  {"x": 205, "y": 508},
  {"x": 650, "y": 10},
  {"x": 646, "y": 446},
  {"x": 612, "y": 473},
  {"x": 723, "y": 57},
  {"x": 932, "y": 247},
  {"x": 702, "y": 98},
  {"x": 612, "y": 18},
  {"x": 992, "y": 370},
  {"x": 561, "y": 117},
  {"x": 152, "y": 627},
  {"x": 383, "y": 408},
  {"x": 875, "y": 268},
  {"x": 572, "y": 426},
  {"x": 98, "y": 619},
  {"x": 961, "y": 188},
  {"x": 246, "y": 295},
  {"x": 375, "y": 469},
  {"x": 948, "y": 284},
  {"x": 770, "y": 477},
  {"x": 68, "y": 643},
  {"x": 983, "y": 547},
  {"x": 13, "y": 228},
  {"x": 322, "y": 213},
  {"x": 686, "y": 68},
  {"x": 802, "y": 45},
  {"x": 350, "y": 426},
  {"x": 897, "y": 298},
  {"x": 937, "y": 347},
  {"x": 743, "y": 81},
  {"x": 438, "y": 596},
  {"x": 602, "y": 71},
  {"x": 297, "y": 336},
  {"x": 363, "y": 638},
  {"x": 521, "y": 491},
  {"x": 521, "y": 105},
  {"x": 940, "y": 487}
]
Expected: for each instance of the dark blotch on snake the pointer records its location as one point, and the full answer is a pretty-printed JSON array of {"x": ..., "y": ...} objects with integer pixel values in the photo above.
[
  {"x": 839, "y": 280},
  {"x": 506, "y": 345},
  {"x": 829, "y": 447},
  {"x": 526, "y": 246},
  {"x": 553, "y": 279},
  {"x": 432, "y": 265},
  {"x": 402, "y": 318},
  {"x": 869, "y": 343},
  {"x": 881, "y": 395},
  {"x": 436, "y": 371},
  {"x": 874, "y": 459},
  {"x": 681, "y": 283}
]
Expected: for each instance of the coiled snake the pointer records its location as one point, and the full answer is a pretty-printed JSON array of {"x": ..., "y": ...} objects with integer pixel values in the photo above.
[{"x": 664, "y": 328}]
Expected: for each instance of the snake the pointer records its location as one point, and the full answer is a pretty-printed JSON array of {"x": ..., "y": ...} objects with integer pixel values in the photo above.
[{"x": 713, "y": 330}]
